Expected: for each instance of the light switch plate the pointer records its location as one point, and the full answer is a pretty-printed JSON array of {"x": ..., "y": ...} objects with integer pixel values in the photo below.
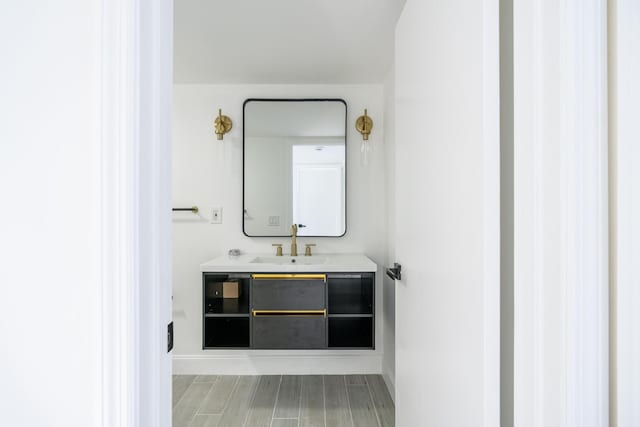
[{"x": 216, "y": 215}]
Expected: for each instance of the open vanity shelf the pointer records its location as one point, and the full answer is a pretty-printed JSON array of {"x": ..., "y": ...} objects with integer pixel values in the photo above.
[
  {"x": 290, "y": 311},
  {"x": 350, "y": 301},
  {"x": 216, "y": 306}
]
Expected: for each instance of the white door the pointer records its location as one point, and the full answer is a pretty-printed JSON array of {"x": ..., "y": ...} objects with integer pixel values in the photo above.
[
  {"x": 314, "y": 194},
  {"x": 447, "y": 214}
]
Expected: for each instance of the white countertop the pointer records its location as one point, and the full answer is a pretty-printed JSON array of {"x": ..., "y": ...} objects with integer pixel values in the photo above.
[{"x": 318, "y": 263}]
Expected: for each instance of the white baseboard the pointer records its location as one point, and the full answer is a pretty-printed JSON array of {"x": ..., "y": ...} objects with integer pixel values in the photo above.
[
  {"x": 390, "y": 381},
  {"x": 294, "y": 364}
]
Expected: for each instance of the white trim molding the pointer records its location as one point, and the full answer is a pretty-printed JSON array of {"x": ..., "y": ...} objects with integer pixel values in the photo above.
[
  {"x": 560, "y": 213},
  {"x": 280, "y": 364},
  {"x": 491, "y": 214},
  {"x": 136, "y": 64},
  {"x": 119, "y": 254},
  {"x": 389, "y": 380},
  {"x": 624, "y": 140}
]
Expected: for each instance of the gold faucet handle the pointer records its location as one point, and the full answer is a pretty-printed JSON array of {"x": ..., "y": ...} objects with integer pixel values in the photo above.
[
  {"x": 307, "y": 249},
  {"x": 278, "y": 248}
]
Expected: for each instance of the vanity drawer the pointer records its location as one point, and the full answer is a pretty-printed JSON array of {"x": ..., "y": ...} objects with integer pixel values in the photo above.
[
  {"x": 298, "y": 331},
  {"x": 288, "y": 291}
]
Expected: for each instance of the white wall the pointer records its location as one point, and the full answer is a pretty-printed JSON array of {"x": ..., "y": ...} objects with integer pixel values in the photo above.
[
  {"x": 49, "y": 213},
  {"x": 624, "y": 140},
  {"x": 85, "y": 213},
  {"x": 207, "y": 172}
]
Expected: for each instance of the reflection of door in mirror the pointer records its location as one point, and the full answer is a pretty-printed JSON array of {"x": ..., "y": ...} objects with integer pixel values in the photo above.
[
  {"x": 294, "y": 167},
  {"x": 318, "y": 180}
]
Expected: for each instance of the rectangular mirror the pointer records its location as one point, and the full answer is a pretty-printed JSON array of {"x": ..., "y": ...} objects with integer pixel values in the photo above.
[{"x": 294, "y": 167}]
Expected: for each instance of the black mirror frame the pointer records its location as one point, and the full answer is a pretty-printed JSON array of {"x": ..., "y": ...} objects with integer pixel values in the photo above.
[{"x": 346, "y": 216}]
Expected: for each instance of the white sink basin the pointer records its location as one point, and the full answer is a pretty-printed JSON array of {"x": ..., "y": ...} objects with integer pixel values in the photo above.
[
  {"x": 289, "y": 260},
  {"x": 269, "y": 263}
]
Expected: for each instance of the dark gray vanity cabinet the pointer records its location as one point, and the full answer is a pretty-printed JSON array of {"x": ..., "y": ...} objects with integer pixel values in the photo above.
[
  {"x": 290, "y": 311},
  {"x": 287, "y": 292},
  {"x": 290, "y": 331}
]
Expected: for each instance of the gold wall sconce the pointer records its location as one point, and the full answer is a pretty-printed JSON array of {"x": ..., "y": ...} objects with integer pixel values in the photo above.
[
  {"x": 222, "y": 124},
  {"x": 364, "y": 124}
]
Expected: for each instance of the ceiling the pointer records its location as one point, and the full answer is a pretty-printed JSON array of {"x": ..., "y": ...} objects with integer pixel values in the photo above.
[{"x": 283, "y": 41}]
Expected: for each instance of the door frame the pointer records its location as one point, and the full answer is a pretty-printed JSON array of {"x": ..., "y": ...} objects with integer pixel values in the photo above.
[
  {"x": 560, "y": 213},
  {"x": 624, "y": 206},
  {"x": 136, "y": 63},
  {"x": 136, "y": 75}
]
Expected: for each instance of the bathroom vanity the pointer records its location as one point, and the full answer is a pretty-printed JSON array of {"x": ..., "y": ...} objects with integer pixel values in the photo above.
[
  {"x": 294, "y": 185},
  {"x": 317, "y": 302}
]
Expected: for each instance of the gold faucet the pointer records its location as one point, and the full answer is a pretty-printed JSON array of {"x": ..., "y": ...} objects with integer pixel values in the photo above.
[{"x": 294, "y": 244}]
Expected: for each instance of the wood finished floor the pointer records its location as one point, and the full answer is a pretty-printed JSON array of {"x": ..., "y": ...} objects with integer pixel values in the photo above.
[{"x": 281, "y": 401}]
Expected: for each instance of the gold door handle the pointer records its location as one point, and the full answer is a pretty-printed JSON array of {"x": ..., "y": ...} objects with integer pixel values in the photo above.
[
  {"x": 322, "y": 312},
  {"x": 290, "y": 277}
]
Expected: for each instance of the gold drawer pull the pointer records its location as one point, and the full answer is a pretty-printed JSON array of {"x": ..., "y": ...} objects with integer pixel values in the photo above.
[
  {"x": 290, "y": 312},
  {"x": 290, "y": 276}
]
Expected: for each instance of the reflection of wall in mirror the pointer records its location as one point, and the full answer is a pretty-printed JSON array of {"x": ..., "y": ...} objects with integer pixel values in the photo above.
[{"x": 268, "y": 186}]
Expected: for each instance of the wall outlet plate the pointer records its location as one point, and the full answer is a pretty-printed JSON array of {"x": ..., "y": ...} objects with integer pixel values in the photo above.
[
  {"x": 216, "y": 215},
  {"x": 274, "y": 221}
]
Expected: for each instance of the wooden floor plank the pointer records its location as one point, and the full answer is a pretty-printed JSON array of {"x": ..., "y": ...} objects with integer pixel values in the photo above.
[
  {"x": 205, "y": 379},
  {"x": 288, "y": 405},
  {"x": 188, "y": 406},
  {"x": 200, "y": 420},
  {"x": 264, "y": 402},
  {"x": 355, "y": 379},
  {"x": 312, "y": 402},
  {"x": 249, "y": 401},
  {"x": 336, "y": 401},
  {"x": 216, "y": 400},
  {"x": 235, "y": 414},
  {"x": 381, "y": 400},
  {"x": 362, "y": 410},
  {"x": 180, "y": 384}
]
